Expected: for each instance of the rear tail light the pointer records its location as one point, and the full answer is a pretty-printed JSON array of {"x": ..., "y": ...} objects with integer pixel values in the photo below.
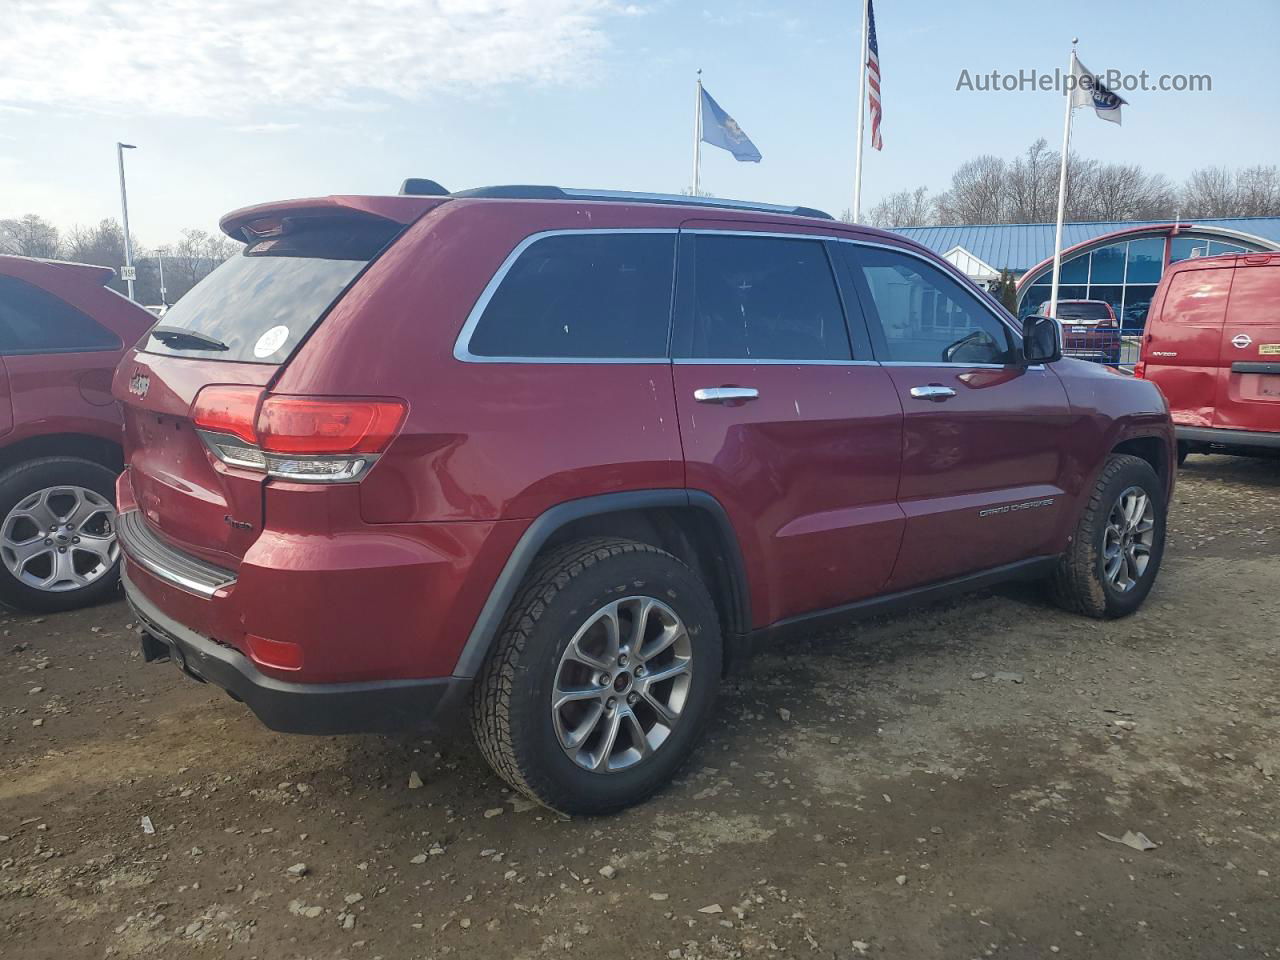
[
  {"x": 328, "y": 425},
  {"x": 312, "y": 439},
  {"x": 228, "y": 409},
  {"x": 1140, "y": 369}
]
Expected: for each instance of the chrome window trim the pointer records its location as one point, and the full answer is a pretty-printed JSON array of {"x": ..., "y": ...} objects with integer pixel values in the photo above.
[
  {"x": 462, "y": 345},
  {"x": 750, "y": 362}
]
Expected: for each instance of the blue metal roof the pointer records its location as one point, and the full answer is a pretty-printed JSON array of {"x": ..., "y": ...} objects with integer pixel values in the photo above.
[{"x": 1020, "y": 246}]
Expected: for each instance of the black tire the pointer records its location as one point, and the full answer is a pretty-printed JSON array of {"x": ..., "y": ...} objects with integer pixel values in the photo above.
[
  {"x": 1079, "y": 584},
  {"x": 511, "y": 714},
  {"x": 1184, "y": 450},
  {"x": 19, "y": 483}
]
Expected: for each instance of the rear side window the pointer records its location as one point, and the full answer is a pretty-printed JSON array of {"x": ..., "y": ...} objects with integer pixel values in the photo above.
[
  {"x": 926, "y": 316},
  {"x": 764, "y": 298},
  {"x": 1197, "y": 298},
  {"x": 33, "y": 320},
  {"x": 258, "y": 306},
  {"x": 604, "y": 296},
  {"x": 1083, "y": 311}
]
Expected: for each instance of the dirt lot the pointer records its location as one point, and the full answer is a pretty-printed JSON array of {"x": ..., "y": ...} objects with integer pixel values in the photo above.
[{"x": 928, "y": 786}]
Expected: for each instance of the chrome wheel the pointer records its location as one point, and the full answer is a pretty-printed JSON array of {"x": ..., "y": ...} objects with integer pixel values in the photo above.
[
  {"x": 622, "y": 684},
  {"x": 60, "y": 539},
  {"x": 1128, "y": 539}
]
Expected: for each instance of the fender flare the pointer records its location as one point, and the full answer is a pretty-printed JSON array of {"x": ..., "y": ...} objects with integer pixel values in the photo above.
[{"x": 545, "y": 525}]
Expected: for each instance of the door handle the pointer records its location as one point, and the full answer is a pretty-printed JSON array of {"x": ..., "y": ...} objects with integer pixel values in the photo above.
[
  {"x": 934, "y": 391},
  {"x": 724, "y": 394}
]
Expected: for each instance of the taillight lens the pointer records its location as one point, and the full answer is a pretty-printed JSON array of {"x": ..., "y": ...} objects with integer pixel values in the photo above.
[
  {"x": 224, "y": 408},
  {"x": 1140, "y": 369},
  {"x": 327, "y": 425},
  {"x": 308, "y": 439}
]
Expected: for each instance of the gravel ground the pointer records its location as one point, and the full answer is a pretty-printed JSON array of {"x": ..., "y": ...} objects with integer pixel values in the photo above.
[{"x": 933, "y": 785}]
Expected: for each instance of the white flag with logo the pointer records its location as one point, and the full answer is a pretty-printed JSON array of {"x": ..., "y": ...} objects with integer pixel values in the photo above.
[{"x": 1087, "y": 91}]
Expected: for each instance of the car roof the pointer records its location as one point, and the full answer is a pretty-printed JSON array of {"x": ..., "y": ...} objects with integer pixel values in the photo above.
[
  {"x": 418, "y": 196},
  {"x": 42, "y": 269}
]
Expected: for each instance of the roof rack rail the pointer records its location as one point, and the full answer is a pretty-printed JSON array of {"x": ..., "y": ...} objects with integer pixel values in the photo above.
[{"x": 539, "y": 192}]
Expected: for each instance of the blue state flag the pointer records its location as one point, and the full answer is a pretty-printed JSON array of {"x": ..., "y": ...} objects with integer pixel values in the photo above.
[{"x": 721, "y": 130}]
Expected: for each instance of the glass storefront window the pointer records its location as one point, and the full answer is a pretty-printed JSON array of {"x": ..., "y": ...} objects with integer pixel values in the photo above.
[
  {"x": 1146, "y": 258},
  {"x": 1108, "y": 265},
  {"x": 1111, "y": 293},
  {"x": 1217, "y": 246},
  {"x": 1075, "y": 270},
  {"x": 1137, "y": 301}
]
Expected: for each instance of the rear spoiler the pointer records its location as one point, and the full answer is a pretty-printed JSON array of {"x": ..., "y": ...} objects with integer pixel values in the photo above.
[{"x": 240, "y": 224}]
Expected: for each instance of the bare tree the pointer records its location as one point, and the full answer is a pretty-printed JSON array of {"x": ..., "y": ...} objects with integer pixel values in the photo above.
[
  {"x": 1033, "y": 185},
  {"x": 1124, "y": 191},
  {"x": 1258, "y": 192},
  {"x": 1210, "y": 192},
  {"x": 906, "y": 208},
  {"x": 196, "y": 254},
  {"x": 977, "y": 193},
  {"x": 30, "y": 236}
]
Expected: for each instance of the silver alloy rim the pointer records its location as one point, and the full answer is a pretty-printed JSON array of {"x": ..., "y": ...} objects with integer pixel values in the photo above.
[
  {"x": 60, "y": 539},
  {"x": 1127, "y": 541},
  {"x": 622, "y": 684}
]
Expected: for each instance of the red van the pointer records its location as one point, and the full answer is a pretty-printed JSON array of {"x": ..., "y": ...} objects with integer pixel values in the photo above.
[{"x": 1212, "y": 345}]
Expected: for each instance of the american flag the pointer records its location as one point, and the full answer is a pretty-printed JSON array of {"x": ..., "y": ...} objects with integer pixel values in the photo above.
[{"x": 873, "y": 77}]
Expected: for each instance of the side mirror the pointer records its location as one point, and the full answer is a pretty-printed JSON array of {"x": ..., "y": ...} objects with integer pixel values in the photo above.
[{"x": 1041, "y": 340}]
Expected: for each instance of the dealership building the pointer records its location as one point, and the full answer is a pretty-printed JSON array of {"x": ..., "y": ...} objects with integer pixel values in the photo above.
[{"x": 1119, "y": 262}]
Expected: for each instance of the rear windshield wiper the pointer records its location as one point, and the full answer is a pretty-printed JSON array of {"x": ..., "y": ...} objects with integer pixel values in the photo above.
[{"x": 176, "y": 338}]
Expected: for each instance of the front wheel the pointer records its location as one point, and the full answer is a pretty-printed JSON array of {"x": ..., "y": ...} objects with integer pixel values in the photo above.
[
  {"x": 603, "y": 678},
  {"x": 1115, "y": 553},
  {"x": 58, "y": 547}
]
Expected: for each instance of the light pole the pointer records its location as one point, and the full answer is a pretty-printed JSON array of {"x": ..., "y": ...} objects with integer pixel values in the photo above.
[{"x": 124, "y": 215}]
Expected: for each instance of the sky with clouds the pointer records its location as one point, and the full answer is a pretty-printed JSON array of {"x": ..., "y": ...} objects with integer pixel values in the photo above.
[{"x": 237, "y": 101}]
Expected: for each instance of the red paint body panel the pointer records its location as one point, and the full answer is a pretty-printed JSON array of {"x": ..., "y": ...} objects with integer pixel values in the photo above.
[
  {"x": 1251, "y": 400},
  {"x": 833, "y": 495},
  {"x": 1182, "y": 345},
  {"x": 1214, "y": 313},
  {"x": 998, "y": 441},
  {"x": 44, "y": 394},
  {"x": 808, "y": 474}
]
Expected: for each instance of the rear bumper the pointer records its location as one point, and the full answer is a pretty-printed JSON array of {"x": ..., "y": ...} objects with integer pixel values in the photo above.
[
  {"x": 1229, "y": 438},
  {"x": 319, "y": 708}
]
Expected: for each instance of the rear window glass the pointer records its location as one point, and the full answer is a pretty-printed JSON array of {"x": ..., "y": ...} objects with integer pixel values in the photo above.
[
  {"x": 1083, "y": 311},
  {"x": 583, "y": 295},
  {"x": 258, "y": 306},
  {"x": 35, "y": 321}
]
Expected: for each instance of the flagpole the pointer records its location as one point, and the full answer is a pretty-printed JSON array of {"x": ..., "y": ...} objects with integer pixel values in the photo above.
[
  {"x": 1062, "y": 185},
  {"x": 697, "y": 134},
  {"x": 862, "y": 117}
]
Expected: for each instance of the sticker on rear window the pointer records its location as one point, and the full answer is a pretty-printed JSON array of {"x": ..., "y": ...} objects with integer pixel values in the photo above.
[
  {"x": 1269, "y": 349},
  {"x": 271, "y": 341}
]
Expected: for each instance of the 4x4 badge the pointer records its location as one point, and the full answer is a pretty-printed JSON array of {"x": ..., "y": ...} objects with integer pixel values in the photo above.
[
  {"x": 1241, "y": 340},
  {"x": 140, "y": 384}
]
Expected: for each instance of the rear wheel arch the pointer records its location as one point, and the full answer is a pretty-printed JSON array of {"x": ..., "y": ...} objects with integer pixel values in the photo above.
[
  {"x": 83, "y": 446},
  {"x": 690, "y": 525}
]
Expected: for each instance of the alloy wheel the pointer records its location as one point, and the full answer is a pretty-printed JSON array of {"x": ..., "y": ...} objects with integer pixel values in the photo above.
[
  {"x": 60, "y": 539},
  {"x": 622, "y": 684},
  {"x": 1128, "y": 539}
]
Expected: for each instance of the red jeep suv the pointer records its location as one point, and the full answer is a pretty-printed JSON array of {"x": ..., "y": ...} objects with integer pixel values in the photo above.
[
  {"x": 62, "y": 332},
  {"x": 553, "y": 459}
]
